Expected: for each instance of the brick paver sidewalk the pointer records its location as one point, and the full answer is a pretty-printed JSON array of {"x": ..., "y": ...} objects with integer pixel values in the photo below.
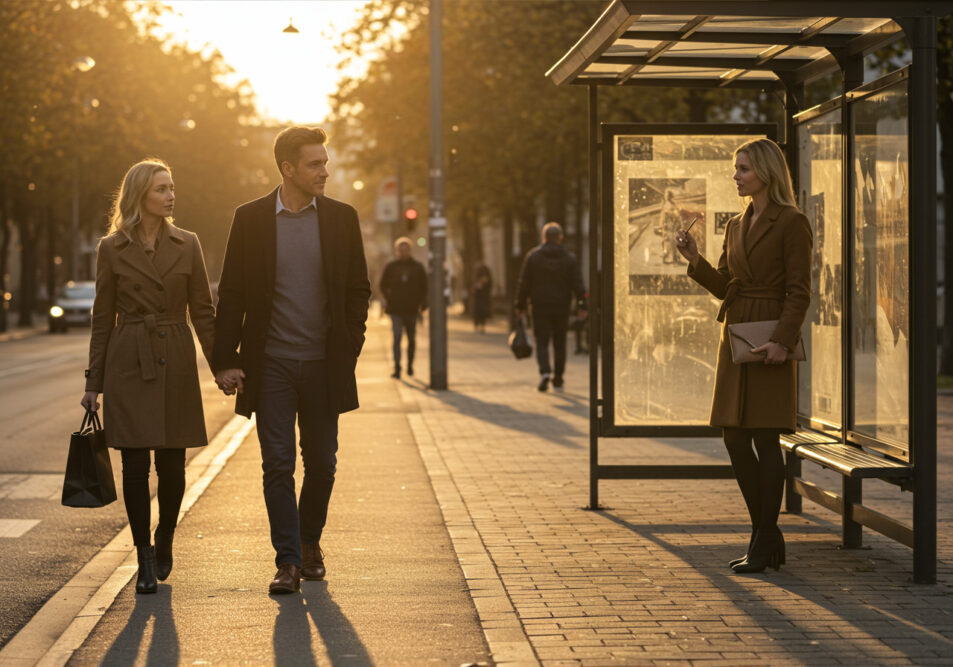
[{"x": 645, "y": 581}]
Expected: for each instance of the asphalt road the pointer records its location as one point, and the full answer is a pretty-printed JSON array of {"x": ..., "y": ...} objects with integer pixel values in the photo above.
[{"x": 42, "y": 543}]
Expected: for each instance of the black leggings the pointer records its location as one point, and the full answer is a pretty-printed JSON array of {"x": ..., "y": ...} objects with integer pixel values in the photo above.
[
  {"x": 761, "y": 478},
  {"x": 170, "y": 469}
]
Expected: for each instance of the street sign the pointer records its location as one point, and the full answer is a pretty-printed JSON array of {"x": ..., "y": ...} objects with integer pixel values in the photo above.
[{"x": 387, "y": 210}]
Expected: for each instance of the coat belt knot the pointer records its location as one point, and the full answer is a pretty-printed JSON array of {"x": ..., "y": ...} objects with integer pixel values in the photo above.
[
  {"x": 147, "y": 326},
  {"x": 740, "y": 288}
]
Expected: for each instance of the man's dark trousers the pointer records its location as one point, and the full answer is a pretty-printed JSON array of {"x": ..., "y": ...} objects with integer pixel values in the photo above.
[
  {"x": 400, "y": 323},
  {"x": 291, "y": 388},
  {"x": 551, "y": 325}
]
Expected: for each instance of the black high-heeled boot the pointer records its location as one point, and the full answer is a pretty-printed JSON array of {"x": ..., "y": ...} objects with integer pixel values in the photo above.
[
  {"x": 164, "y": 553},
  {"x": 736, "y": 561},
  {"x": 146, "y": 578},
  {"x": 766, "y": 551}
]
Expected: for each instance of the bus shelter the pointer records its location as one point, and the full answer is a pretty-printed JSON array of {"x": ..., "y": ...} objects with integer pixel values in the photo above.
[{"x": 864, "y": 170}]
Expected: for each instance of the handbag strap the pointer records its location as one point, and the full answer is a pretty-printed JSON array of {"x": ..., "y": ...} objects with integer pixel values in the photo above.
[{"x": 90, "y": 420}]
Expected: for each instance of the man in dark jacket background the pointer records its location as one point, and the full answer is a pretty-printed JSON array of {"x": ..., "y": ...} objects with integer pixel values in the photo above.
[
  {"x": 404, "y": 288},
  {"x": 549, "y": 279}
]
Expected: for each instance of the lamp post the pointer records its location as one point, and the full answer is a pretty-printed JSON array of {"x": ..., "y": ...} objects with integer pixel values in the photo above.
[
  {"x": 80, "y": 65},
  {"x": 438, "y": 219}
]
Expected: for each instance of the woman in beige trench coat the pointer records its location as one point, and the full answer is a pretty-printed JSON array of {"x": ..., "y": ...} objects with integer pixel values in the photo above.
[
  {"x": 764, "y": 273},
  {"x": 150, "y": 281}
]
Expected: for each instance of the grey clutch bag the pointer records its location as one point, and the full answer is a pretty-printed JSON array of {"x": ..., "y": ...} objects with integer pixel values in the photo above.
[{"x": 747, "y": 335}]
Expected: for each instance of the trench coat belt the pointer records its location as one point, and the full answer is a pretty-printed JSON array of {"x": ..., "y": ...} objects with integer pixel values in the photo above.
[
  {"x": 738, "y": 288},
  {"x": 147, "y": 362}
]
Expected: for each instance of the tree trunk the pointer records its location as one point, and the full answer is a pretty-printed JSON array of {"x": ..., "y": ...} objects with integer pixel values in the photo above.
[
  {"x": 509, "y": 277},
  {"x": 27, "y": 300},
  {"x": 5, "y": 233},
  {"x": 698, "y": 103},
  {"x": 945, "y": 122},
  {"x": 472, "y": 252}
]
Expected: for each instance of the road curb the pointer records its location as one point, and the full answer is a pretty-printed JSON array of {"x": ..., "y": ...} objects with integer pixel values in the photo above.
[
  {"x": 501, "y": 625},
  {"x": 20, "y": 334},
  {"x": 61, "y": 626}
]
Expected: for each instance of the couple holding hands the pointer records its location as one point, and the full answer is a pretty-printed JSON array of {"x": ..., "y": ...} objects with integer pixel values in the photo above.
[{"x": 292, "y": 307}]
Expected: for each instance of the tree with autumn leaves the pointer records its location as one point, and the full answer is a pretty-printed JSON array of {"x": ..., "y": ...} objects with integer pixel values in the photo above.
[{"x": 86, "y": 90}]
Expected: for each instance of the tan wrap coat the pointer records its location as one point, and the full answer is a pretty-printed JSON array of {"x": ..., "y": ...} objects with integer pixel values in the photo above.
[
  {"x": 764, "y": 273},
  {"x": 141, "y": 354}
]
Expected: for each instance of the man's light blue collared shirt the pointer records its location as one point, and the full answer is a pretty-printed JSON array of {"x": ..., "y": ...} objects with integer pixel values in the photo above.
[{"x": 279, "y": 205}]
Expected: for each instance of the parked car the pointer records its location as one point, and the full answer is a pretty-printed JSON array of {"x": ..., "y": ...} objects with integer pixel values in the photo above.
[{"x": 72, "y": 306}]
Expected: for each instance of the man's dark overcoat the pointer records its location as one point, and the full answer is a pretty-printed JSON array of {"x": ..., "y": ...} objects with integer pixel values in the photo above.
[
  {"x": 764, "y": 273},
  {"x": 246, "y": 289}
]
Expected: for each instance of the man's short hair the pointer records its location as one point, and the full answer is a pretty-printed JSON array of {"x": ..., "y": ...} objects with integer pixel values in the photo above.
[
  {"x": 402, "y": 240},
  {"x": 289, "y": 141},
  {"x": 552, "y": 232}
]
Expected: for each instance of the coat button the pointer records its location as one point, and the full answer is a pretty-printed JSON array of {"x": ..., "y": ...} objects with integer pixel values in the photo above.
[
  {"x": 161, "y": 361},
  {"x": 137, "y": 287},
  {"x": 141, "y": 310},
  {"x": 162, "y": 334}
]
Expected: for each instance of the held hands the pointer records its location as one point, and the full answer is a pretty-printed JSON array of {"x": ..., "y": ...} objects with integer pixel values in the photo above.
[
  {"x": 90, "y": 401},
  {"x": 685, "y": 243},
  {"x": 231, "y": 380},
  {"x": 774, "y": 353}
]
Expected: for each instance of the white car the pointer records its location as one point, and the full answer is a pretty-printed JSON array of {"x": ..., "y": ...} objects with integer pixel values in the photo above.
[{"x": 73, "y": 306}]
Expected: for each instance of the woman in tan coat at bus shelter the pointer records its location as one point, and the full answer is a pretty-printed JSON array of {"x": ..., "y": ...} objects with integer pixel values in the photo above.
[
  {"x": 764, "y": 273},
  {"x": 150, "y": 281}
]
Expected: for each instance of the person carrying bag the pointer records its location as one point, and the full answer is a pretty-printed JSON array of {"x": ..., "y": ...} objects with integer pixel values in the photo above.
[
  {"x": 89, "y": 473},
  {"x": 764, "y": 281}
]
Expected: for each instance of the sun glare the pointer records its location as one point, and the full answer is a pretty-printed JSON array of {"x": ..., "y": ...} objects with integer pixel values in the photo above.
[{"x": 292, "y": 73}]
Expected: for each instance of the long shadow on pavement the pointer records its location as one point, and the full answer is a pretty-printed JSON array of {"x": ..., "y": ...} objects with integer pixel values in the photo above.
[
  {"x": 922, "y": 612},
  {"x": 164, "y": 640},
  {"x": 292, "y": 634},
  {"x": 499, "y": 414}
]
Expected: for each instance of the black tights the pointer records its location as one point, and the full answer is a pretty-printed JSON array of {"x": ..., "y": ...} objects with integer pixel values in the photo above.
[
  {"x": 761, "y": 478},
  {"x": 170, "y": 469}
]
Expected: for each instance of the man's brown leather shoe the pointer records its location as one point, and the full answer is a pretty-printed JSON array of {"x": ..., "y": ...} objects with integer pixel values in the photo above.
[
  {"x": 287, "y": 580},
  {"x": 312, "y": 562}
]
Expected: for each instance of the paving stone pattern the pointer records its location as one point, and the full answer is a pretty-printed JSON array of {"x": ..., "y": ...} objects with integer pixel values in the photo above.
[{"x": 645, "y": 580}]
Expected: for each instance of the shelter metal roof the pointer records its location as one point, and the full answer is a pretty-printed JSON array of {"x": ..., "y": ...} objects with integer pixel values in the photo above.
[{"x": 747, "y": 44}]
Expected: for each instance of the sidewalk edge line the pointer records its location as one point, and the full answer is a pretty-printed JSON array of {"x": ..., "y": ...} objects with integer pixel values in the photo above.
[
  {"x": 108, "y": 572},
  {"x": 509, "y": 645}
]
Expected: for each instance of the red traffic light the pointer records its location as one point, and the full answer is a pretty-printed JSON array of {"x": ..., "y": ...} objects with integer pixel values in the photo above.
[{"x": 410, "y": 214}]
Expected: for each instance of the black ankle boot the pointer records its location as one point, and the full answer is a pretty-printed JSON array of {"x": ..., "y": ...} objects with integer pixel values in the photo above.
[
  {"x": 146, "y": 578},
  {"x": 164, "y": 553},
  {"x": 767, "y": 550},
  {"x": 750, "y": 544}
]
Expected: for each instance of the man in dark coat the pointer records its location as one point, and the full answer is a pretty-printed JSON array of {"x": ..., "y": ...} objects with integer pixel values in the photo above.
[
  {"x": 549, "y": 279},
  {"x": 292, "y": 308},
  {"x": 404, "y": 288}
]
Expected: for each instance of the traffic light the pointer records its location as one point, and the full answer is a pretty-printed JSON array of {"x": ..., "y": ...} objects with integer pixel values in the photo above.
[{"x": 410, "y": 216}]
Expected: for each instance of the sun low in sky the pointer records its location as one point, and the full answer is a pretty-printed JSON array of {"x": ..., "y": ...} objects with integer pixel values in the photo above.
[{"x": 292, "y": 73}]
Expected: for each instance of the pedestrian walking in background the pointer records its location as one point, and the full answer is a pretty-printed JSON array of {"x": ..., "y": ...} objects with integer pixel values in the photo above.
[
  {"x": 150, "y": 282},
  {"x": 482, "y": 292},
  {"x": 670, "y": 220},
  {"x": 764, "y": 273},
  {"x": 404, "y": 290},
  {"x": 549, "y": 280},
  {"x": 294, "y": 294}
]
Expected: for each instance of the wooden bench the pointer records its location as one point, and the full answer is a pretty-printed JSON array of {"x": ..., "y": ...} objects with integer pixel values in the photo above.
[{"x": 855, "y": 464}]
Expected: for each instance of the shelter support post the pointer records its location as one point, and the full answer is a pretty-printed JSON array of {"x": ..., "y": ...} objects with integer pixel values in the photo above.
[
  {"x": 595, "y": 222},
  {"x": 921, "y": 32},
  {"x": 793, "y": 103}
]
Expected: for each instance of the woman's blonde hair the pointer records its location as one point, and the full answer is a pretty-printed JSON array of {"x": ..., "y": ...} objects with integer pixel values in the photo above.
[
  {"x": 769, "y": 166},
  {"x": 124, "y": 214}
]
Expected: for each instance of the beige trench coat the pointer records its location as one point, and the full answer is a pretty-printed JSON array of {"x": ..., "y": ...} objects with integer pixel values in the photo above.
[
  {"x": 141, "y": 353},
  {"x": 764, "y": 273}
]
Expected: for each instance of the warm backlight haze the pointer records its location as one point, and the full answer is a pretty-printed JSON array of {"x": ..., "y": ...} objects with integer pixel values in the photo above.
[{"x": 291, "y": 74}]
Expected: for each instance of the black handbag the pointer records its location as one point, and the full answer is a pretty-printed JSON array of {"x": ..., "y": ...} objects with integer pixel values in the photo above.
[
  {"x": 89, "y": 473},
  {"x": 519, "y": 341}
]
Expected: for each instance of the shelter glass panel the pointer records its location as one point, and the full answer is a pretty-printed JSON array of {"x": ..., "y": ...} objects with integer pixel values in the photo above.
[
  {"x": 664, "y": 332},
  {"x": 881, "y": 254},
  {"x": 820, "y": 175}
]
